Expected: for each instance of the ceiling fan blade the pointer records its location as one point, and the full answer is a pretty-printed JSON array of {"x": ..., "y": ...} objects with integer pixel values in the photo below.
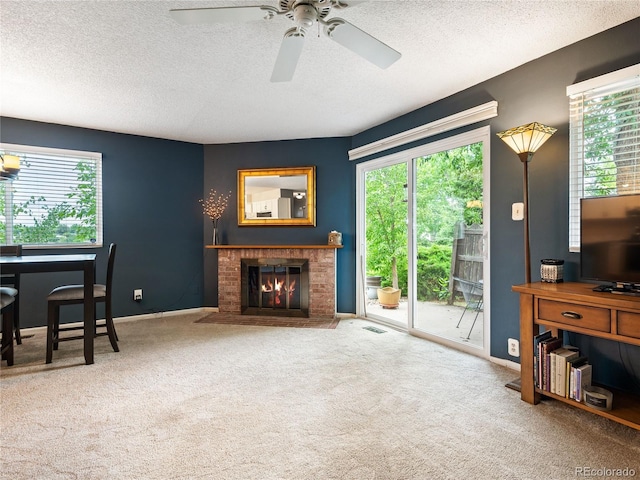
[
  {"x": 360, "y": 42},
  {"x": 190, "y": 16},
  {"x": 288, "y": 56},
  {"x": 347, "y": 3}
]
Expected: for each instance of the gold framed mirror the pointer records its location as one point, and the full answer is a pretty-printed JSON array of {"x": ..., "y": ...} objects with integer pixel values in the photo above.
[{"x": 277, "y": 196}]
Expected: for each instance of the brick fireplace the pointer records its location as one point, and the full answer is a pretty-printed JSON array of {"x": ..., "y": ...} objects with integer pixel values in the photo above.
[{"x": 321, "y": 265}]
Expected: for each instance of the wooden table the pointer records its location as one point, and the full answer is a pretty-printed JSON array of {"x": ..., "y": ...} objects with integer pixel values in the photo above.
[
  {"x": 58, "y": 263},
  {"x": 575, "y": 307}
]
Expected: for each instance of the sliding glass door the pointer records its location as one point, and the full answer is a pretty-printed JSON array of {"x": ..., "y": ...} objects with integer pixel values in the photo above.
[
  {"x": 422, "y": 225},
  {"x": 385, "y": 235},
  {"x": 449, "y": 236}
]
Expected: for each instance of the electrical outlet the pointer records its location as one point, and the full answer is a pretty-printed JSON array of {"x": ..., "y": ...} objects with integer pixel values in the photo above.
[
  {"x": 514, "y": 347},
  {"x": 137, "y": 295},
  {"x": 517, "y": 211}
]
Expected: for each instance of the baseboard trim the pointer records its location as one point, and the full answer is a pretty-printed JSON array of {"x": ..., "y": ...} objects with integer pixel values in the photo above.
[
  {"x": 172, "y": 313},
  {"x": 345, "y": 316},
  {"x": 505, "y": 363},
  {"x": 133, "y": 318}
]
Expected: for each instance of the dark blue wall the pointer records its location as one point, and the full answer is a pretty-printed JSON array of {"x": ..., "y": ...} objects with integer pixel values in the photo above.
[
  {"x": 335, "y": 196},
  {"x": 151, "y": 189}
]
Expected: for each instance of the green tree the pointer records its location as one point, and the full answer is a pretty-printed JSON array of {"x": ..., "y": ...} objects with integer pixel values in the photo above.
[
  {"x": 386, "y": 214},
  {"x": 610, "y": 139},
  {"x": 446, "y": 183},
  {"x": 44, "y": 227},
  {"x": 84, "y": 205},
  {"x": 448, "y": 188},
  {"x": 434, "y": 263},
  {"x": 70, "y": 221}
]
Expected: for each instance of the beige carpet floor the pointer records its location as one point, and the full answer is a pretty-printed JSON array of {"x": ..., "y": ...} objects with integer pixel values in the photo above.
[{"x": 187, "y": 400}]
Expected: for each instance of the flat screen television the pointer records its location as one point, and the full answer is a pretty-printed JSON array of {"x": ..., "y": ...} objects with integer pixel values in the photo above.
[{"x": 610, "y": 241}]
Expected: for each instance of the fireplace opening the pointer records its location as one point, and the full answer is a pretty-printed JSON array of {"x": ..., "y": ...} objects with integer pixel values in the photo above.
[{"x": 275, "y": 286}]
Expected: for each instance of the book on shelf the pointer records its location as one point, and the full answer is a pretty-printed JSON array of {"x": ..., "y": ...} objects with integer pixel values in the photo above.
[
  {"x": 572, "y": 365},
  {"x": 552, "y": 371},
  {"x": 558, "y": 368},
  {"x": 546, "y": 347},
  {"x": 583, "y": 380},
  {"x": 537, "y": 364},
  {"x": 560, "y": 357}
]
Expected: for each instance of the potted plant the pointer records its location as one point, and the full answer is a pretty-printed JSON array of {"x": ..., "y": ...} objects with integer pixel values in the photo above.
[{"x": 389, "y": 297}]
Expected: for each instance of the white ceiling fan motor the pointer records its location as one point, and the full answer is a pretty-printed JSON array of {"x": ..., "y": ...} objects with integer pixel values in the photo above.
[
  {"x": 292, "y": 10},
  {"x": 305, "y": 15}
]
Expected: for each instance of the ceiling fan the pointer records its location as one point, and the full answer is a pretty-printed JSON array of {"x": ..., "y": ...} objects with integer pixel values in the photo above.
[{"x": 305, "y": 13}]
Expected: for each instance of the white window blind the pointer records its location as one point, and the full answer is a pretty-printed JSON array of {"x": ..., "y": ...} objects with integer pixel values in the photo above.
[
  {"x": 604, "y": 140},
  {"x": 56, "y": 200}
]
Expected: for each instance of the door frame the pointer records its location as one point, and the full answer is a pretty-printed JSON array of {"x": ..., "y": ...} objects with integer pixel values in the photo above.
[{"x": 481, "y": 134}]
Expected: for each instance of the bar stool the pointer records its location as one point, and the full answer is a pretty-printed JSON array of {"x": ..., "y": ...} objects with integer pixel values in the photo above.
[
  {"x": 7, "y": 308},
  {"x": 13, "y": 280}
]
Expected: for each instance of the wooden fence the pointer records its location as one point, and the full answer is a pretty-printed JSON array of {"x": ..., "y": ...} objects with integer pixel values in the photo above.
[{"x": 467, "y": 258}]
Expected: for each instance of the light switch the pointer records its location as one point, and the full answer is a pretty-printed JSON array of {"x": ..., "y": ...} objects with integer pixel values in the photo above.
[{"x": 517, "y": 211}]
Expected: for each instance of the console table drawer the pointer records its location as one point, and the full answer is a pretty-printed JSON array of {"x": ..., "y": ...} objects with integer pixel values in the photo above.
[
  {"x": 593, "y": 318},
  {"x": 629, "y": 324}
]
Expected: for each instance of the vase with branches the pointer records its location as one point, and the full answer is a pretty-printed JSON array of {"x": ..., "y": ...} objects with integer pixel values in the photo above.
[{"x": 214, "y": 206}]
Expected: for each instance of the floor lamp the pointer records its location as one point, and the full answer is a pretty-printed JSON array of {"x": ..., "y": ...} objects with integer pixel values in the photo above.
[{"x": 525, "y": 141}]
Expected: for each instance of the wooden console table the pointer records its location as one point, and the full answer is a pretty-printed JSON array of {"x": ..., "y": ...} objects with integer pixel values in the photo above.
[{"x": 575, "y": 307}]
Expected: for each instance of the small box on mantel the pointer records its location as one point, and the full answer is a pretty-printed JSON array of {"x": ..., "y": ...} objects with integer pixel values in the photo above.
[{"x": 335, "y": 238}]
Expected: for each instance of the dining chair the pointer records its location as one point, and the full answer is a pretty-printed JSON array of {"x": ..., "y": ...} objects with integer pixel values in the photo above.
[
  {"x": 73, "y": 295},
  {"x": 14, "y": 281},
  {"x": 8, "y": 297}
]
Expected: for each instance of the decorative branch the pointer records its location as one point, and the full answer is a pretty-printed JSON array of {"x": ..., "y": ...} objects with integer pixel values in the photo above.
[{"x": 215, "y": 205}]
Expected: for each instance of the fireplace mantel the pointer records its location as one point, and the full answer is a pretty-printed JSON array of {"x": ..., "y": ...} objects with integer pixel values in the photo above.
[{"x": 221, "y": 247}]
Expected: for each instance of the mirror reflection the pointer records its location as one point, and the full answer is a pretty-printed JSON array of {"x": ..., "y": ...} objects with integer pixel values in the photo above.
[
  {"x": 281, "y": 196},
  {"x": 276, "y": 196}
]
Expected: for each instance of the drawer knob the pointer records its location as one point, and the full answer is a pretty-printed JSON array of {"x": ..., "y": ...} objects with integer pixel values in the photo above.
[{"x": 573, "y": 315}]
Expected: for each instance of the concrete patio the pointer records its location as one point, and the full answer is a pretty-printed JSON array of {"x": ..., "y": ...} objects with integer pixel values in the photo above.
[{"x": 434, "y": 318}]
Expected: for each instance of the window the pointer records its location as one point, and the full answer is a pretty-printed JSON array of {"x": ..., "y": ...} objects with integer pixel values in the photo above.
[
  {"x": 604, "y": 137},
  {"x": 56, "y": 201}
]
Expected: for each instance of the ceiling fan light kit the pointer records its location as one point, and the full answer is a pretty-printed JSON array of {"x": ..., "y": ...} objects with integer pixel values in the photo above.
[{"x": 305, "y": 13}]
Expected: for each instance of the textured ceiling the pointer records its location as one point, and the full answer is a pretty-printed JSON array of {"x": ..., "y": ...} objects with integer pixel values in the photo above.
[{"x": 126, "y": 66}]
